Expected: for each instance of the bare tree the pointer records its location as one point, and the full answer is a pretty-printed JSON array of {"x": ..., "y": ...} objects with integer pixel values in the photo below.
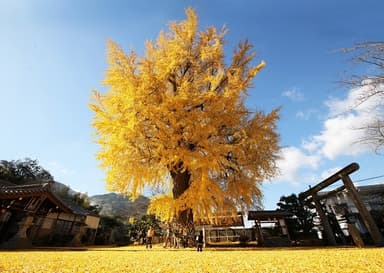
[{"x": 369, "y": 78}]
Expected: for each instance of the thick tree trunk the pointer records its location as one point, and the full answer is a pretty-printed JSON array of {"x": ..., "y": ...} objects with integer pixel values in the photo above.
[{"x": 181, "y": 182}]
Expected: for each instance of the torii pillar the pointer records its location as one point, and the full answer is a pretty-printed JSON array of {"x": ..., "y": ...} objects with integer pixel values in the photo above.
[
  {"x": 324, "y": 221},
  {"x": 364, "y": 213},
  {"x": 355, "y": 197}
]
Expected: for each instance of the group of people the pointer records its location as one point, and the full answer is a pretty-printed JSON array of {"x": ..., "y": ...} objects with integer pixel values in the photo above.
[{"x": 176, "y": 236}]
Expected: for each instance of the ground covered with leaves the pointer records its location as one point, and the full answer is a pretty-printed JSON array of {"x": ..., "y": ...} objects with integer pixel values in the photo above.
[{"x": 158, "y": 259}]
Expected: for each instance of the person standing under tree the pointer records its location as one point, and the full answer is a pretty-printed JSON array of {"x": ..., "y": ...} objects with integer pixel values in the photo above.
[
  {"x": 168, "y": 237},
  {"x": 150, "y": 235},
  {"x": 200, "y": 241}
]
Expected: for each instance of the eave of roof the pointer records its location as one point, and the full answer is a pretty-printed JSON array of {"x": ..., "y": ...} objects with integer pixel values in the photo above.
[
  {"x": 31, "y": 190},
  {"x": 5, "y": 183},
  {"x": 267, "y": 214}
]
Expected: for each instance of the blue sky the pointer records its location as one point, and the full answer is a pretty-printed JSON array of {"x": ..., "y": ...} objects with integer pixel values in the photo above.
[{"x": 52, "y": 54}]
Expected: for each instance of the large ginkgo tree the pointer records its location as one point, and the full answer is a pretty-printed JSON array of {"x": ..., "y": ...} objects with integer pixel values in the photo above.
[{"x": 175, "y": 120}]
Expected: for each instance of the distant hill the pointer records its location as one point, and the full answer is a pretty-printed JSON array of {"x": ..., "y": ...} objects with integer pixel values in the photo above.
[
  {"x": 112, "y": 204},
  {"x": 116, "y": 204}
]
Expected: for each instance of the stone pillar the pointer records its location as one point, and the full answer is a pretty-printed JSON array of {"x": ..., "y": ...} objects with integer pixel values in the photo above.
[
  {"x": 324, "y": 221},
  {"x": 364, "y": 213}
]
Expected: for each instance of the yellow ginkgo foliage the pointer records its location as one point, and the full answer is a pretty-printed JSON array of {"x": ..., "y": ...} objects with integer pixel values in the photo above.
[{"x": 175, "y": 119}]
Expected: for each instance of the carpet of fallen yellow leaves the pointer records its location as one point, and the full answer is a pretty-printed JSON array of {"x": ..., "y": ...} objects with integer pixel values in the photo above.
[{"x": 158, "y": 259}]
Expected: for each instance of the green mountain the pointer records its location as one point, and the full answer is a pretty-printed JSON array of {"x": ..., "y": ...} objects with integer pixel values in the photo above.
[{"x": 115, "y": 204}]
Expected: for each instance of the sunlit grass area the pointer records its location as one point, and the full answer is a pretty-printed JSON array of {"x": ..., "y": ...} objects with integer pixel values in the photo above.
[{"x": 158, "y": 259}]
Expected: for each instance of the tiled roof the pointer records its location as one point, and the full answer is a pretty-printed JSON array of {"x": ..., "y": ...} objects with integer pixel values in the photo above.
[
  {"x": 267, "y": 214},
  {"x": 30, "y": 190},
  {"x": 5, "y": 183},
  {"x": 375, "y": 188},
  {"x": 363, "y": 190},
  {"x": 75, "y": 208},
  {"x": 24, "y": 189}
]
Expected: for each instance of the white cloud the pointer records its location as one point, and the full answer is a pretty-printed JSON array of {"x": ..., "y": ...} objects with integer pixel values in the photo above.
[
  {"x": 327, "y": 173},
  {"x": 293, "y": 161},
  {"x": 306, "y": 115},
  {"x": 339, "y": 136},
  {"x": 310, "y": 145},
  {"x": 294, "y": 94},
  {"x": 352, "y": 103},
  {"x": 341, "y": 133}
]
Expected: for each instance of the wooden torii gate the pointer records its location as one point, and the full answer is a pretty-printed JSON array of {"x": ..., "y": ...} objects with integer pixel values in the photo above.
[{"x": 343, "y": 174}]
